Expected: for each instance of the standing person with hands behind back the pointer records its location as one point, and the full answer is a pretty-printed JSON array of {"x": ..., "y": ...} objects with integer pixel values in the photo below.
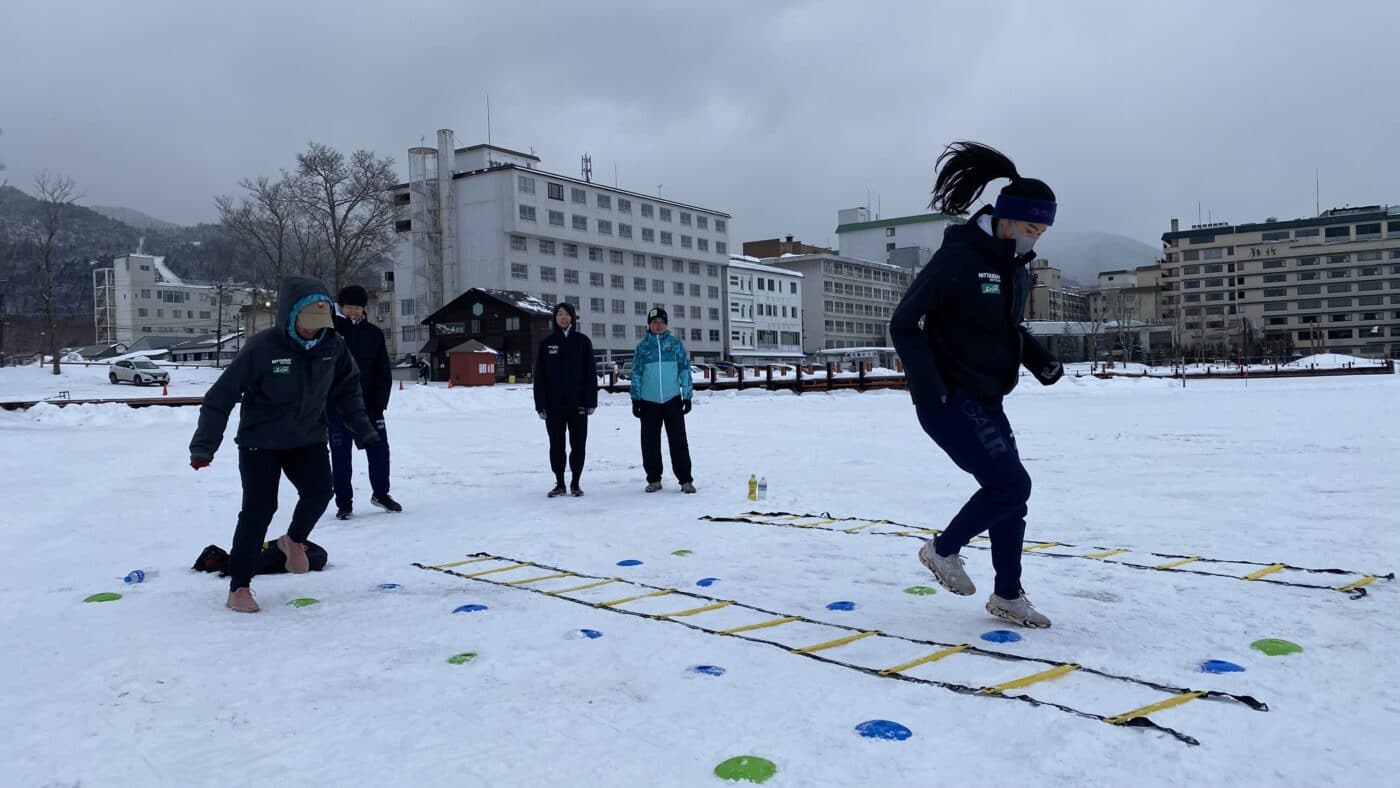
[
  {"x": 958, "y": 331},
  {"x": 285, "y": 377},
  {"x": 661, "y": 393},
  {"x": 566, "y": 394},
  {"x": 366, "y": 344}
]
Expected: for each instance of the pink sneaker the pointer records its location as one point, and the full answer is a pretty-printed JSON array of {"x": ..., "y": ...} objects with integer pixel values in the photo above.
[
  {"x": 297, "y": 562},
  {"x": 241, "y": 601}
]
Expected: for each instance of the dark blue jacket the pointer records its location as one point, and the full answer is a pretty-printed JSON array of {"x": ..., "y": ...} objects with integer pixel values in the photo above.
[
  {"x": 566, "y": 375},
  {"x": 365, "y": 341},
  {"x": 970, "y": 299},
  {"x": 284, "y": 386}
]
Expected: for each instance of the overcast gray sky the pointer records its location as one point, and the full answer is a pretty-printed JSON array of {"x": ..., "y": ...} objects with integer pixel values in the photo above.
[{"x": 780, "y": 113}]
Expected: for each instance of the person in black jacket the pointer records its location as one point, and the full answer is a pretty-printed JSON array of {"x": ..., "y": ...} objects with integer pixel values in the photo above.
[
  {"x": 284, "y": 377},
  {"x": 566, "y": 394},
  {"x": 958, "y": 332},
  {"x": 366, "y": 343}
]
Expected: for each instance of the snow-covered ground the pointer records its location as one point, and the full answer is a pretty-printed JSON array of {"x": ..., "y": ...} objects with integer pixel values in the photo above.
[{"x": 166, "y": 687}]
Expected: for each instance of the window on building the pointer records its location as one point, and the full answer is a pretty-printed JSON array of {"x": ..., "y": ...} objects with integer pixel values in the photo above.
[
  {"x": 605, "y": 201},
  {"x": 526, "y": 185},
  {"x": 624, "y": 231},
  {"x": 519, "y": 271},
  {"x": 580, "y": 222},
  {"x": 619, "y": 331},
  {"x": 548, "y": 274},
  {"x": 639, "y": 332},
  {"x": 517, "y": 243},
  {"x": 1310, "y": 303},
  {"x": 571, "y": 250},
  {"x": 1337, "y": 234},
  {"x": 695, "y": 313},
  {"x": 556, "y": 218},
  {"x": 615, "y": 256},
  {"x": 1308, "y": 290},
  {"x": 619, "y": 306},
  {"x": 570, "y": 276},
  {"x": 721, "y": 247},
  {"x": 889, "y": 247},
  {"x": 678, "y": 288},
  {"x": 556, "y": 191},
  {"x": 648, "y": 210},
  {"x": 1276, "y": 292},
  {"x": 597, "y": 305},
  {"x": 406, "y": 306},
  {"x": 648, "y": 235},
  {"x": 1278, "y": 235},
  {"x": 604, "y": 227},
  {"x": 1275, "y": 277},
  {"x": 665, "y": 238},
  {"x": 685, "y": 219},
  {"x": 527, "y": 213},
  {"x": 1344, "y": 287},
  {"x": 1368, "y": 232},
  {"x": 714, "y": 335},
  {"x": 664, "y": 214},
  {"x": 658, "y": 286},
  {"x": 1274, "y": 263},
  {"x": 546, "y": 246},
  {"x": 579, "y": 196},
  {"x": 695, "y": 291},
  {"x": 624, "y": 205},
  {"x": 1190, "y": 255},
  {"x": 617, "y": 281},
  {"x": 639, "y": 283},
  {"x": 1307, "y": 276},
  {"x": 596, "y": 279}
]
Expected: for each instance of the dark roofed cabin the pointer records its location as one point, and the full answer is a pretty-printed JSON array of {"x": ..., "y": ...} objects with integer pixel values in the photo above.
[{"x": 511, "y": 322}]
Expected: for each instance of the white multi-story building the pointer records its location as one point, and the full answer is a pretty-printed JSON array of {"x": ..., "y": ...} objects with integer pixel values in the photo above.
[
  {"x": 905, "y": 241},
  {"x": 488, "y": 217},
  {"x": 765, "y": 312},
  {"x": 138, "y": 296},
  {"x": 846, "y": 303}
]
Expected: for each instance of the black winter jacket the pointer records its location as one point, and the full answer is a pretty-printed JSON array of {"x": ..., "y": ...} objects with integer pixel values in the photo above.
[
  {"x": 365, "y": 341},
  {"x": 970, "y": 298},
  {"x": 284, "y": 387},
  {"x": 566, "y": 376}
]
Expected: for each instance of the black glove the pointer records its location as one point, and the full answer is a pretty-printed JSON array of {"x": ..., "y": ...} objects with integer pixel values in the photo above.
[
  {"x": 586, "y": 411},
  {"x": 685, "y": 406},
  {"x": 542, "y": 414},
  {"x": 1051, "y": 373},
  {"x": 637, "y": 408}
]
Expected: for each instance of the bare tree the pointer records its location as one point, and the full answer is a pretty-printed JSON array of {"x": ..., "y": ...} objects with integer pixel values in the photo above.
[
  {"x": 262, "y": 222},
  {"x": 1120, "y": 307},
  {"x": 55, "y": 193},
  {"x": 350, "y": 205}
]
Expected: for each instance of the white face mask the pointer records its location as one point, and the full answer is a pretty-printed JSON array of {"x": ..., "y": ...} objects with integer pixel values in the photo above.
[{"x": 1024, "y": 243}]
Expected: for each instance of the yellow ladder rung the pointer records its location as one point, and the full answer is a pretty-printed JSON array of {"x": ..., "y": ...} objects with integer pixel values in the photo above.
[
  {"x": 583, "y": 587},
  {"x": 692, "y": 611},
  {"x": 1146, "y": 710},
  {"x": 858, "y": 528},
  {"x": 463, "y": 563},
  {"x": 1268, "y": 570},
  {"x": 626, "y": 599},
  {"x": 1034, "y": 678},
  {"x": 529, "y": 580},
  {"x": 834, "y": 643},
  {"x": 928, "y": 531},
  {"x": 934, "y": 657},
  {"x": 1107, "y": 553},
  {"x": 1175, "y": 564},
  {"x": 1362, "y": 583},
  {"x": 497, "y": 569},
  {"x": 1041, "y": 546},
  {"x": 772, "y": 622},
  {"x": 817, "y": 523},
  {"x": 981, "y": 539}
]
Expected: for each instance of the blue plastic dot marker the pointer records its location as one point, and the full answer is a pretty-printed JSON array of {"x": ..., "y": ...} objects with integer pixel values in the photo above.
[
  {"x": 591, "y": 634},
  {"x": 883, "y": 729},
  {"x": 388, "y": 586},
  {"x": 470, "y": 609},
  {"x": 629, "y": 562},
  {"x": 1001, "y": 636},
  {"x": 706, "y": 582},
  {"x": 707, "y": 670},
  {"x": 841, "y": 606},
  {"x": 1220, "y": 666}
]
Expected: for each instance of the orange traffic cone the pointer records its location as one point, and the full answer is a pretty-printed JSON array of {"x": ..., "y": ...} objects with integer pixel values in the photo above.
[
  {"x": 400, "y": 384},
  {"x": 165, "y": 389}
]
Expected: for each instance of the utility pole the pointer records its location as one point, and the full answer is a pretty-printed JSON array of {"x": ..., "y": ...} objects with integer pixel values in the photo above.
[{"x": 219, "y": 325}]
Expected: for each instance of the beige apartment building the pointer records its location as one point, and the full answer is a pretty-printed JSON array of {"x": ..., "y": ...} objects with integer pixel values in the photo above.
[
  {"x": 1327, "y": 283},
  {"x": 1050, "y": 299}
]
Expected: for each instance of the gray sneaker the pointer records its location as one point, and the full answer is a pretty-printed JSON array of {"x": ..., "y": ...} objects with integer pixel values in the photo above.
[
  {"x": 947, "y": 570},
  {"x": 1018, "y": 611}
]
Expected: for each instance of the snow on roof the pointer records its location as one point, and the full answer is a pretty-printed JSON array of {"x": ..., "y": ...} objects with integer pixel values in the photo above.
[
  {"x": 743, "y": 264},
  {"x": 165, "y": 273},
  {"x": 522, "y": 300}
]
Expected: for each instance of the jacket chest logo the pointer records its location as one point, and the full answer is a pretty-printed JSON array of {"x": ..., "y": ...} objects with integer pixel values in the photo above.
[
  {"x": 553, "y": 350},
  {"x": 281, "y": 366},
  {"x": 987, "y": 276},
  {"x": 991, "y": 288}
]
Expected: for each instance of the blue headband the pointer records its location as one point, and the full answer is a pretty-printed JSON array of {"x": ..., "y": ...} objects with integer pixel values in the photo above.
[{"x": 1025, "y": 209}]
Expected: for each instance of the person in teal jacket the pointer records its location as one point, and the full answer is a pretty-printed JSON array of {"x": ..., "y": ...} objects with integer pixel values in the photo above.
[{"x": 661, "y": 394}]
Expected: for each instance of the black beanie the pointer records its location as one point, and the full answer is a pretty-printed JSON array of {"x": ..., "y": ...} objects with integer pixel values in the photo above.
[
  {"x": 658, "y": 312},
  {"x": 353, "y": 295},
  {"x": 567, "y": 307}
]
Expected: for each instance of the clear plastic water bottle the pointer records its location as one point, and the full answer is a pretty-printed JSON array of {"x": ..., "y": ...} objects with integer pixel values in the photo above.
[
  {"x": 139, "y": 576},
  {"x": 763, "y": 488}
]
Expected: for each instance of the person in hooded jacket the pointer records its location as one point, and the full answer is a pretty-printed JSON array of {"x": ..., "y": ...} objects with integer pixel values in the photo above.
[
  {"x": 661, "y": 393},
  {"x": 285, "y": 377},
  {"x": 958, "y": 332},
  {"x": 365, "y": 341},
  {"x": 566, "y": 394}
]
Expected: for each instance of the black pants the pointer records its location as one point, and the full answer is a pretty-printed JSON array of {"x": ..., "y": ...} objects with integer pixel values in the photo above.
[
  {"x": 977, "y": 437},
  {"x": 654, "y": 417},
  {"x": 576, "y": 424},
  {"x": 342, "y": 449},
  {"x": 308, "y": 469}
]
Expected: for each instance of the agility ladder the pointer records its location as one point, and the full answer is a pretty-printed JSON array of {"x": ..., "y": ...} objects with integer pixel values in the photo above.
[
  {"x": 825, "y": 522},
  {"x": 568, "y": 582}
]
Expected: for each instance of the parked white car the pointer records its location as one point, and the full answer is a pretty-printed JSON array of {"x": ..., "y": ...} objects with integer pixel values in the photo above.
[{"x": 138, "y": 371}]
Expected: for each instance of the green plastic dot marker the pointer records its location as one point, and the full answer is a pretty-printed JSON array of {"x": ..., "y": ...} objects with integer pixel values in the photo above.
[
  {"x": 750, "y": 768},
  {"x": 920, "y": 590},
  {"x": 1275, "y": 647},
  {"x": 461, "y": 659},
  {"x": 105, "y": 596},
  {"x": 683, "y": 553},
  {"x": 305, "y": 601}
]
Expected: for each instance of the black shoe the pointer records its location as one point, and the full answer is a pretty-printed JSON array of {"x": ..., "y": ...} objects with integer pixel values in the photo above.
[
  {"x": 343, "y": 513},
  {"x": 386, "y": 503},
  {"x": 652, "y": 487},
  {"x": 557, "y": 491},
  {"x": 575, "y": 490},
  {"x": 688, "y": 488}
]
